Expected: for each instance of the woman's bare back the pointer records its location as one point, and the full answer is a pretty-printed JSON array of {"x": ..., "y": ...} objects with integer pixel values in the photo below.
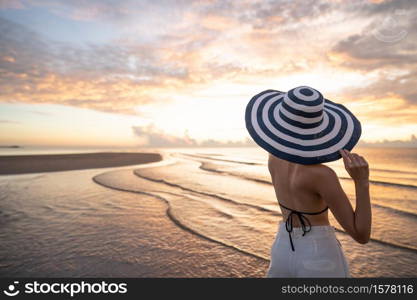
[
  {"x": 310, "y": 188},
  {"x": 295, "y": 188}
]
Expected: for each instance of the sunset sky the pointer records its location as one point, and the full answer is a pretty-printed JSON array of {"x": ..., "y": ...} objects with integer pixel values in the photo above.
[{"x": 127, "y": 73}]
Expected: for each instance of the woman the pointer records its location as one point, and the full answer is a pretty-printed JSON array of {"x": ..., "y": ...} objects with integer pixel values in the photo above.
[{"x": 301, "y": 130}]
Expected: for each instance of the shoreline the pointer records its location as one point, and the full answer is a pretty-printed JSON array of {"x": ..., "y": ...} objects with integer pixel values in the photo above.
[
  {"x": 24, "y": 164},
  {"x": 138, "y": 238}
]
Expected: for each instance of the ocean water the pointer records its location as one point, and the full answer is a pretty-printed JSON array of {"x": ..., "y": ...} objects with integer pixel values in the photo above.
[{"x": 220, "y": 194}]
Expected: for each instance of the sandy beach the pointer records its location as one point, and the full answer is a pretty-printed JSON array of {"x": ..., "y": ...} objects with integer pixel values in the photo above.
[
  {"x": 179, "y": 213},
  {"x": 137, "y": 238},
  {"x": 21, "y": 164}
]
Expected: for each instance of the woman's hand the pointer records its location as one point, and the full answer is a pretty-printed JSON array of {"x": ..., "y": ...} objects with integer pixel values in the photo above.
[{"x": 356, "y": 166}]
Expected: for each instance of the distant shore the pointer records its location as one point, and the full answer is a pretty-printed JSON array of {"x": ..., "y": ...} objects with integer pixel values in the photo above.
[
  {"x": 21, "y": 164},
  {"x": 12, "y": 146}
]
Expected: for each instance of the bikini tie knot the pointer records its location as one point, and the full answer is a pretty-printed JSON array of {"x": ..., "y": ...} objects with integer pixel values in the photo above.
[{"x": 305, "y": 225}]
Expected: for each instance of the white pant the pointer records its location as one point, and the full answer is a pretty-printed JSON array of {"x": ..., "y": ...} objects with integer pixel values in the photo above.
[{"x": 317, "y": 254}]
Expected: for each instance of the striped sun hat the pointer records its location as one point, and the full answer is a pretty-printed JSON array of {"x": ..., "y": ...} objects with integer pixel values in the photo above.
[{"x": 301, "y": 126}]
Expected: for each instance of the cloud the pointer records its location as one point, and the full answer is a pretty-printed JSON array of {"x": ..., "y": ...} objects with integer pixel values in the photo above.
[
  {"x": 9, "y": 122},
  {"x": 122, "y": 74},
  {"x": 276, "y": 14},
  {"x": 166, "y": 49},
  {"x": 150, "y": 136},
  {"x": 366, "y": 52},
  {"x": 103, "y": 77},
  {"x": 412, "y": 142},
  {"x": 42, "y": 113},
  {"x": 385, "y": 49},
  {"x": 153, "y": 137},
  {"x": 8, "y": 4},
  {"x": 381, "y": 7},
  {"x": 113, "y": 10}
]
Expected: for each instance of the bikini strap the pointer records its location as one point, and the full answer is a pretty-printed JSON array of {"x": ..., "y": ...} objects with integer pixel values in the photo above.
[
  {"x": 305, "y": 223},
  {"x": 305, "y": 213}
]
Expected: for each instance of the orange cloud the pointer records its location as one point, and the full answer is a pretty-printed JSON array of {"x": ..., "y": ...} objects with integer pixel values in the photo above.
[{"x": 166, "y": 51}]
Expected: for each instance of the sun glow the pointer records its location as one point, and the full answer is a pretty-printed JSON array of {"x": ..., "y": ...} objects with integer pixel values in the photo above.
[{"x": 177, "y": 72}]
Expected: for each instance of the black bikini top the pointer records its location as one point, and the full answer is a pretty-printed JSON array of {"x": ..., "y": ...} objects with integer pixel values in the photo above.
[{"x": 303, "y": 221}]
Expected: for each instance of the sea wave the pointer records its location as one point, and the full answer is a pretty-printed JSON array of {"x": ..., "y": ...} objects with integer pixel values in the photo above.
[
  {"x": 174, "y": 218},
  {"x": 246, "y": 162},
  {"x": 137, "y": 173},
  {"x": 195, "y": 230},
  {"x": 206, "y": 167}
]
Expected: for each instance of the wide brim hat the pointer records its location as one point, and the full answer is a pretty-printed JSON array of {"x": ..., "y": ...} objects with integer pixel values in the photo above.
[{"x": 301, "y": 126}]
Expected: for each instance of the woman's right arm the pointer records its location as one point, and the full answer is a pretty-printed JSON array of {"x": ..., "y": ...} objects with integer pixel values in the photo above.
[{"x": 356, "y": 223}]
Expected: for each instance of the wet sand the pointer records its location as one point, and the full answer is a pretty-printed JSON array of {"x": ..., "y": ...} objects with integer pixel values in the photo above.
[
  {"x": 21, "y": 164},
  {"x": 105, "y": 232}
]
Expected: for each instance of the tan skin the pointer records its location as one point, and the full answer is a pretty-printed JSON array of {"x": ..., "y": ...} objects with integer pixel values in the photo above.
[{"x": 310, "y": 188}]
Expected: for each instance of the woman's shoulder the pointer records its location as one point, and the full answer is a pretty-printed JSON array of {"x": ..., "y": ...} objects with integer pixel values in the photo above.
[
  {"x": 324, "y": 173},
  {"x": 272, "y": 160}
]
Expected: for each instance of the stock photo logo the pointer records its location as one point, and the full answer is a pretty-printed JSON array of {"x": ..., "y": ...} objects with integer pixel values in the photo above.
[
  {"x": 65, "y": 288},
  {"x": 11, "y": 289},
  {"x": 391, "y": 31}
]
